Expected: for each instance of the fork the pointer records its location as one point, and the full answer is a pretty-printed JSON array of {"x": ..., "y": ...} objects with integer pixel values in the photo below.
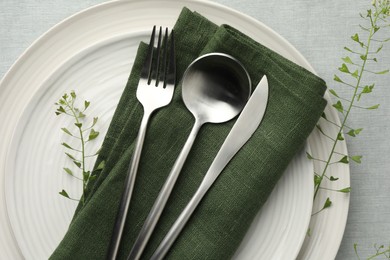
[{"x": 155, "y": 90}]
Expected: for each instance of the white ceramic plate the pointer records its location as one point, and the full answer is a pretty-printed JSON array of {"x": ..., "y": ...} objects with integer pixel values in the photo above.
[{"x": 92, "y": 52}]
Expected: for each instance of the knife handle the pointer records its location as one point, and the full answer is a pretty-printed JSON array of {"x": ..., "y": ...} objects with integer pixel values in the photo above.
[{"x": 180, "y": 222}]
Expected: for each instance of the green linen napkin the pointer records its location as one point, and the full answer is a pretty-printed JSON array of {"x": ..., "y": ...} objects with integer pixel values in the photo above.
[{"x": 223, "y": 217}]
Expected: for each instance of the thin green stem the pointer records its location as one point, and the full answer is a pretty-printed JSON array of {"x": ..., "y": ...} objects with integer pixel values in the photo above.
[
  {"x": 73, "y": 199},
  {"x": 77, "y": 178},
  {"x": 315, "y": 213},
  {"x": 322, "y": 188},
  {"x": 333, "y": 123},
  {"x": 317, "y": 188},
  {"x": 339, "y": 153},
  {"x": 323, "y": 133},
  {"x": 71, "y": 106},
  {"x": 379, "y": 254}
]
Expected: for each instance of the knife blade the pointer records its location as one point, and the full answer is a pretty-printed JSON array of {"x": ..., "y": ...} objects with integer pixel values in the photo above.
[{"x": 246, "y": 124}]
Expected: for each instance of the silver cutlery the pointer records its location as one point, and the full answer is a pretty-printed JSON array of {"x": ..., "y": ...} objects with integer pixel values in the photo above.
[
  {"x": 242, "y": 130},
  {"x": 155, "y": 90},
  {"x": 215, "y": 88}
]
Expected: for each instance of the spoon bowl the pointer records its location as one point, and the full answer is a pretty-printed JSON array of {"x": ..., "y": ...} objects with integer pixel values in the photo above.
[{"x": 215, "y": 87}]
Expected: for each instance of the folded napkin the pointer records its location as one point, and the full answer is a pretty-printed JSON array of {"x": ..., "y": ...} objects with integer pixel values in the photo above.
[{"x": 223, "y": 217}]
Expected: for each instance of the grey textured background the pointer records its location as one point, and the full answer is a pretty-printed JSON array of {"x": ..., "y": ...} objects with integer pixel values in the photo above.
[{"x": 319, "y": 30}]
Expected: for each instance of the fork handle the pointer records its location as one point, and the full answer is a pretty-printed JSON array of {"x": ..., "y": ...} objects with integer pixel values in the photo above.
[
  {"x": 128, "y": 190},
  {"x": 159, "y": 204}
]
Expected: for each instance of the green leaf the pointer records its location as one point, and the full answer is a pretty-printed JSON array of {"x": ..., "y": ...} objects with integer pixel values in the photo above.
[
  {"x": 101, "y": 165},
  {"x": 323, "y": 115},
  {"x": 358, "y": 130},
  {"x": 380, "y": 247},
  {"x": 78, "y": 164},
  {"x": 333, "y": 92},
  {"x": 309, "y": 156},
  {"x": 344, "y": 68},
  {"x": 345, "y": 190},
  {"x": 70, "y": 156},
  {"x": 92, "y": 177},
  {"x": 66, "y": 131},
  {"x": 308, "y": 232},
  {"x": 344, "y": 159},
  {"x": 64, "y": 193},
  {"x": 93, "y": 134},
  {"x": 73, "y": 94},
  {"x": 86, "y": 104},
  {"x": 351, "y": 133},
  {"x": 382, "y": 72},
  {"x": 327, "y": 203},
  {"x": 356, "y": 158},
  {"x": 355, "y": 249},
  {"x": 355, "y": 74},
  {"x": 86, "y": 176},
  {"x": 348, "y": 49},
  {"x": 333, "y": 178},
  {"x": 81, "y": 115},
  {"x": 340, "y": 137},
  {"x": 369, "y": 12},
  {"x": 339, "y": 106},
  {"x": 336, "y": 78},
  {"x": 67, "y": 146},
  {"x": 379, "y": 49},
  {"x": 317, "y": 180},
  {"x": 363, "y": 57},
  {"x": 354, "y": 132},
  {"x": 355, "y": 37},
  {"x": 347, "y": 60},
  {"x": 68, "y": 171},
  {"x": 373, "y": 107},
  {"x": 79, "y": 125},
  {"x": 61, "y": 109},
  {"x": 376, "y": 28},
  {"x": 368, "y": 89}
]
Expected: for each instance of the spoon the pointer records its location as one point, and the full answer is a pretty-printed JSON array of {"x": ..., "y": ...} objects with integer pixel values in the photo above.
[{"x": 215, "y": 89}]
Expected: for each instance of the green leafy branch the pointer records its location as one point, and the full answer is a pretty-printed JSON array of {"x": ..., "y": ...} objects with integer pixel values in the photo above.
[
  {"x": 66, "y": 106},
  {"x": 353, "y": 69},
  {"x": 379, "y": 251}
]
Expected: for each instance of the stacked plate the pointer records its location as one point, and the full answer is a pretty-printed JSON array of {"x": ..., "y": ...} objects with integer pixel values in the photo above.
[{"x": 92, "y": 52}]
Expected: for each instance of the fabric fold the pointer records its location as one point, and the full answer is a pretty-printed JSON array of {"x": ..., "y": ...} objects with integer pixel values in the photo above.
[{"x": 220, "y": 222}]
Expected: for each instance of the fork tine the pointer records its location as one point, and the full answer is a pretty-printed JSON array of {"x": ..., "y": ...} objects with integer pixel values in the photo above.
[
  {"x": 171, "y": 72},
  {"x": 163, "y": 74},
  {"x": 156, "y": 72},
  {"x": 147, "y": 67}
]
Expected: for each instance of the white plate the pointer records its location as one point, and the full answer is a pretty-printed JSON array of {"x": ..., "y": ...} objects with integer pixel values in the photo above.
[{"x": 92, "y": 52}]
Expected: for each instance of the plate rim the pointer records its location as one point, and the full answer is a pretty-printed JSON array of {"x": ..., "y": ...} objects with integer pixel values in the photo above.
[{"x": 31, "y": 47}]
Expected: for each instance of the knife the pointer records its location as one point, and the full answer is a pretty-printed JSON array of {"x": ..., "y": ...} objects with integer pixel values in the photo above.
[{"x": 242, "y": 130}]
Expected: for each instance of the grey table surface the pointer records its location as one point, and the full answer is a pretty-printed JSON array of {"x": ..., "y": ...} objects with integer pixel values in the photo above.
[{"x": 319, "y": 30}]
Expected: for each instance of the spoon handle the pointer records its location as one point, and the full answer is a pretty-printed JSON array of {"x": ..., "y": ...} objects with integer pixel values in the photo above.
[{"x": 159, "y": 204}]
